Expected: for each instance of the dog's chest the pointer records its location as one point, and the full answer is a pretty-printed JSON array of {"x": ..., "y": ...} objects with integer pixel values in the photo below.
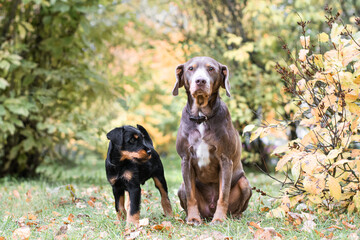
[{"x": 202, "y": 150}]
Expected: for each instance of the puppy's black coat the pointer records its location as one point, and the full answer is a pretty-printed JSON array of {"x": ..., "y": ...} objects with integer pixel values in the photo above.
[{"x": 132, "y": 160}]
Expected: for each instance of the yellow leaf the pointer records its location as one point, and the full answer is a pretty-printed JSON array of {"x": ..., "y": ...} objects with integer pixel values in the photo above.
[
  {"x": 256, "y": 134},
  {"x": 318, "y": 59},
  {"x": 280, "y": 149},
  {"x": 302, "y": 54},
  {"x": 323, "y": 37},
  {"x": 351, "y": 208},
  {"x": 295, "y": 171},
  {"x": 334, "y": 187},
  {"x": 357, "y": 80},
  {"x": 276, "y": 213},
  {"x": 334, "y": 153},
  {"x": 315, "y": 198},
  {"x": 354, "y": 108},
  {"x": 305, "y": 41},
  {"x": 356, "y": 200},
  {"x": 248, "y": 128}
]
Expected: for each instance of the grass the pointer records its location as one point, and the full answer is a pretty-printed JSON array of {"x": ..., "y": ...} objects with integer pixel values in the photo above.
[{"x": 46, "y": 207}]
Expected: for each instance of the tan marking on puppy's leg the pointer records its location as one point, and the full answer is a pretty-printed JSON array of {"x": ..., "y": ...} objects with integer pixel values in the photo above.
[
  {"x": 165, "y": 202},
  {"x": 127, "y": 175},
  {"x": 121, "y": 215},
  {"x": 132, "y": 219},
  {"x": 127, "y": 201},
  {"x": 112, "y": 180}
]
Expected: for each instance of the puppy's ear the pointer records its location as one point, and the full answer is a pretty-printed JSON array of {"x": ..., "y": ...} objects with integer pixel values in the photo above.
[
  {"x": 179, "y": 72},
  {"x": 145, "y": 133},
  {"x": 116, "y": 136},
  {"x": 225, "y": 79}
]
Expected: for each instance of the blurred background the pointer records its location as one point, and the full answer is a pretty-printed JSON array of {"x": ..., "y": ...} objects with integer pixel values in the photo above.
[{"x": 71, "y": 70}]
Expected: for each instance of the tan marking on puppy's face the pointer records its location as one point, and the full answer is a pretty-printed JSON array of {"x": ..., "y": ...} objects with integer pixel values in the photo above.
[
  {"x": 136, "y": 136},
  {"x": 127, "y": 175},
  {"x": 140, "y": 155}
]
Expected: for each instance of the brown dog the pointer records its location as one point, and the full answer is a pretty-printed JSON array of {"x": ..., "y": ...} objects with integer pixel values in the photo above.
[{"x": 209, "y": 146}]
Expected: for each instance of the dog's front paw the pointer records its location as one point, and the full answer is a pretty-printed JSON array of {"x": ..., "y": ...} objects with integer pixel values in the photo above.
[
  {"x": 195, "y": 221},
  {"x": 219, "y": 217}
]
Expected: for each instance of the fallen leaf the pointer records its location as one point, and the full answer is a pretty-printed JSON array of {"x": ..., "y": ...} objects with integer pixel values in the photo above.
[
  {"x": 43, "y": 228},
  {"x": 348, "y": 225},
  {"x": 143, "y": 222},
  {"x": 257, "y": 226},
  {"x": 309, "y": 225},
  {"x": 56, "y": 214},
  {"x": 31, "y": 217},
  {"x": 16, "y": 193},
  {"x": 353, "y": 236},
  {"x": 71, "y": 217},
  {"x": 335, "y": 227},
  {"x": 91, "y": 203},
  {"x": 22, "y": 233},
  {"x": 133, "y": 235}
]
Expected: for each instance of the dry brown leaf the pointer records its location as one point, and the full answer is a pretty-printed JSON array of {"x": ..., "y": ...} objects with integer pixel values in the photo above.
[
  {"x": 264, "y": 209},
  {"x": 56, "y": 214},
  {"x": 353, "y": 236},
  {"x": 91, "y": 203},
  {"x": 348, "y": 225},
  {"x": 133, "y": 235},
  {"x": 31, "y": 216},
  {"x": 16, "y": 193},
  {"x": 71, "y": 217},
  {"x": 143, "y": 222},
  {"x": 334, "y": 226},
  {"x": 43, "y": 228},
  {"x": 2, "y": 238},
  {"x": 22, "y": 233},
  {"x": 254, "y": 225},
  {"x": 158, "y": 227},
  {"x": 309, "y": 225}
]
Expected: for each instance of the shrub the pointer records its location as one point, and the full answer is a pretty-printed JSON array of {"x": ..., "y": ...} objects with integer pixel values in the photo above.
[{"x": 322, "y": 168}]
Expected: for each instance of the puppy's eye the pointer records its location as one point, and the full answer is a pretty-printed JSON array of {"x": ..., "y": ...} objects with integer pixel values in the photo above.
[
  {"x": 191, "y": 68},
  {"x": 211, "y": 69},
  {"x": 132, "y": 140}
]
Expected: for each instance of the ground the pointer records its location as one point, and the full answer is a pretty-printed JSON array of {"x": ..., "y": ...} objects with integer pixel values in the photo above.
[{"x": 77, "y": 203}]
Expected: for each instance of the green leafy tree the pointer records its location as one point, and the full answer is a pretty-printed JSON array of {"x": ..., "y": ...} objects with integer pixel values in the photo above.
[{"x": 51, "y": 88}]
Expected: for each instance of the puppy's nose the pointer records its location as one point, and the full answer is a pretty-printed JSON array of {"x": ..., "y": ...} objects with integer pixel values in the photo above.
[
  {"x": 148, "y": 152},
  {"x": 200, "y": 82}
]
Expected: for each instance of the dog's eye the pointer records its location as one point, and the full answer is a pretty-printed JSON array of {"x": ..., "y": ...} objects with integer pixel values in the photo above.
[
  {"x": 191, "y": 68},
  {"x": 211, "y": 69},
  {"x": 132, "y": 140}
]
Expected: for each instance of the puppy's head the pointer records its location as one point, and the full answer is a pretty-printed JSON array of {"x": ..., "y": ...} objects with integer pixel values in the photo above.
[
  {"x": 132, "y": 143},
  {"x": 202, "y": 76}
]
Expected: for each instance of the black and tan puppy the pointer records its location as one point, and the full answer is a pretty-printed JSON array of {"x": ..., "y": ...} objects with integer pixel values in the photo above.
[{"x": 132, "y": 160}]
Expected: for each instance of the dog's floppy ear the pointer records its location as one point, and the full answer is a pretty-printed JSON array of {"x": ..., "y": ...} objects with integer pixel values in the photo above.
[
  {"x": 225, "y": 79},
  {"x": 179, "y": 72},
  {"x": 116, "y": 136},
  {"x": 145, "y": 133}
]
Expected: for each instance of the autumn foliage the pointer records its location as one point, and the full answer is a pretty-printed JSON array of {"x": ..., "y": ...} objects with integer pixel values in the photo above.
[{"x": 322, "y": 168}]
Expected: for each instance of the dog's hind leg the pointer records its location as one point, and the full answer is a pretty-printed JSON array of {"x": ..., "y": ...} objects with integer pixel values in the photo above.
[
  {"x": 239, "y": 196},
  {"x": 119, "y": 202},
  {"x": 160, "y": 184}
]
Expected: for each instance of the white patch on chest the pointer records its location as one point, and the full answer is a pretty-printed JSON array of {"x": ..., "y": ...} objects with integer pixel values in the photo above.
[{"x": 202, "y": 151}]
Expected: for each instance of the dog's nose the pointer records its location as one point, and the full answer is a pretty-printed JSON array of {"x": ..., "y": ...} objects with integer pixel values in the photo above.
[
  {"x": 148, "y": 152},
  {"x": 200, "y": 82}
]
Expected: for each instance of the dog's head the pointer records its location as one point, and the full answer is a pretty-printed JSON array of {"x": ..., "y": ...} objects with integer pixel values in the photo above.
[
  {"x": 202, "y": 76},
  {"x": 131, "y": 143}
]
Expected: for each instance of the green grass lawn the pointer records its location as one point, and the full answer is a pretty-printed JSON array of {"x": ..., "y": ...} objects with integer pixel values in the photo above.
[{"x": 45, "y": 208}]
